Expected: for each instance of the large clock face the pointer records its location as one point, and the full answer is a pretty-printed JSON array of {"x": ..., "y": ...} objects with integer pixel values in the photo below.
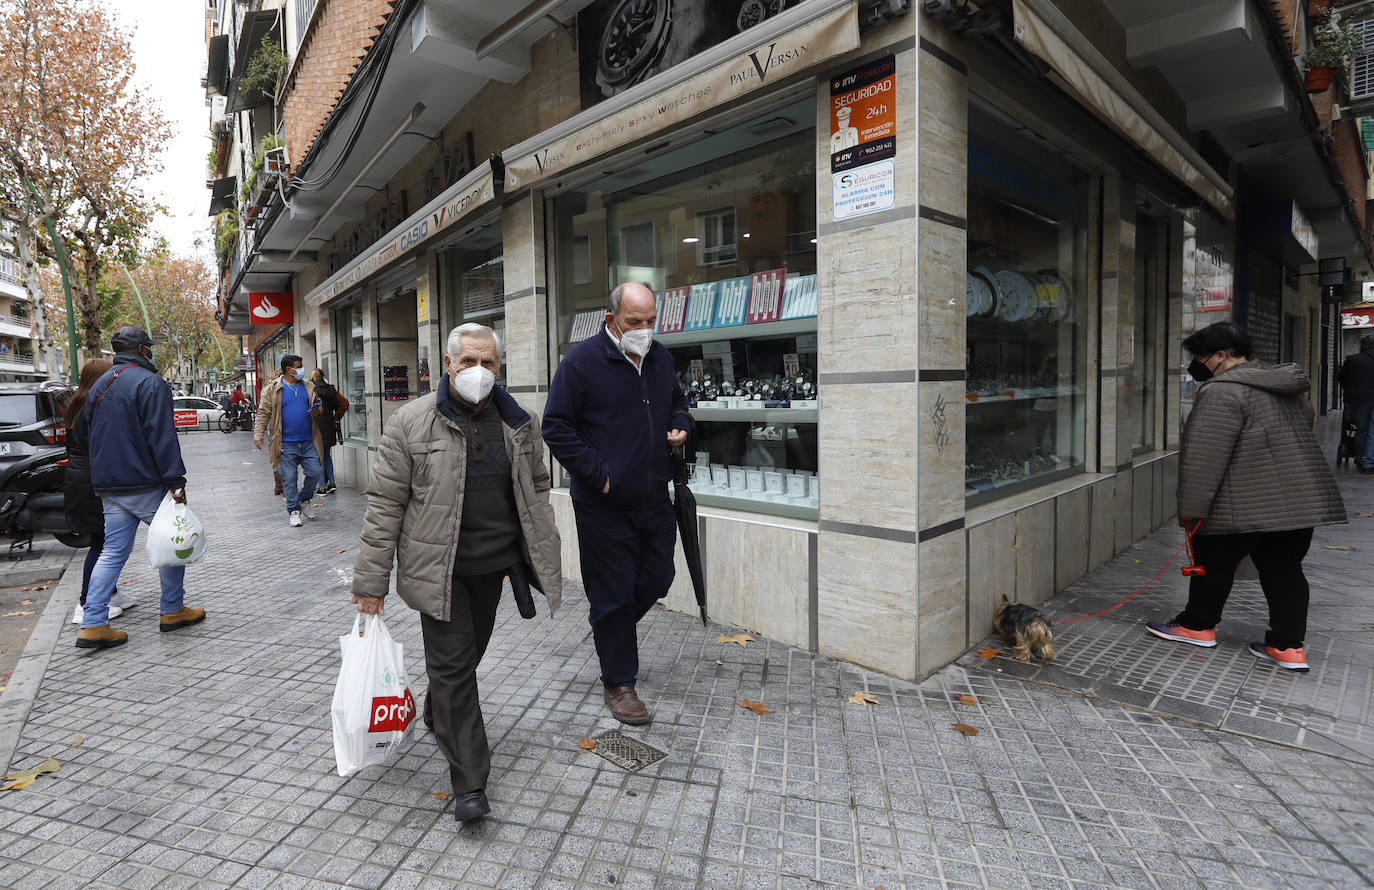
[{"x": 632, "y": 42}]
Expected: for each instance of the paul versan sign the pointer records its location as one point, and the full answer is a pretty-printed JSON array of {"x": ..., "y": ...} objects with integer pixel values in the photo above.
[
  {"x": 761, "y": 64},
  {"x": 469, "y": 193}
]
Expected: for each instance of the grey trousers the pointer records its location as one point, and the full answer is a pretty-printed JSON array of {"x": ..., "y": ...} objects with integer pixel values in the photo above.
[{"x": 453, "y": 649}]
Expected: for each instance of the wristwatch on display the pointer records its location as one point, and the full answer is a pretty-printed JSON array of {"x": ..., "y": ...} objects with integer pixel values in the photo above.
[{"x": 632, "y": 43}]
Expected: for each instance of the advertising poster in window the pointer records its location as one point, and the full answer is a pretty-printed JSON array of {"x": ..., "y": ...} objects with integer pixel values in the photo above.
[{"x": 863, "y": 138}]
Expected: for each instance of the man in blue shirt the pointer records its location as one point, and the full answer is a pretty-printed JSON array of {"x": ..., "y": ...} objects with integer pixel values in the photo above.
[{"x": 286, "y": 421}]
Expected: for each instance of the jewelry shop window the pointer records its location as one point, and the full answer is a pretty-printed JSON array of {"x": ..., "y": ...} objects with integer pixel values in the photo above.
[
  {"x": 724, "y": 229},
  {"x": 1026, "y": 289},
  {"x": 347, "y": 323},
  {"x": 472, "y": 288}
]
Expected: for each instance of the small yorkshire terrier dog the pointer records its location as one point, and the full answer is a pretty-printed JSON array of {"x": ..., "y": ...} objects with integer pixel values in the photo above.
[{"x": 1025, "y": 628}]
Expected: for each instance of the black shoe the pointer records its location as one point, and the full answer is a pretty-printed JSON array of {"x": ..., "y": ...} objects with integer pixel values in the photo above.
[{"x": 472, "y": 805}]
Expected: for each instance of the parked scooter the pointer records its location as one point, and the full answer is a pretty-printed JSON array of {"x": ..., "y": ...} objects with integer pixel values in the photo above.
[{"x": 31, "y": 501}]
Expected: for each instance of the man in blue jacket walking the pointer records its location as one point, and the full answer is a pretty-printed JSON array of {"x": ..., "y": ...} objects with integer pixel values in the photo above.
[
  {"x": 614, "y": 414},
  {"x": 135, "y": 462}
]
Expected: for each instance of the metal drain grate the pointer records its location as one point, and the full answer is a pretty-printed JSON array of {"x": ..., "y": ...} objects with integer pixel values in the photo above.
[{"x": 625, "y": 752}]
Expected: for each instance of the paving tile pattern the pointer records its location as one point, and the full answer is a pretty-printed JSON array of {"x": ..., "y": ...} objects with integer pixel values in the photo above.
[{"x": 206, "y": 759}]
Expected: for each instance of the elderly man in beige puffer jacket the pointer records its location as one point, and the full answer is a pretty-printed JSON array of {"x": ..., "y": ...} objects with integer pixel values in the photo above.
[
  {"x": 1252, "y": 482},
  {"x": 460, "y": 498}
]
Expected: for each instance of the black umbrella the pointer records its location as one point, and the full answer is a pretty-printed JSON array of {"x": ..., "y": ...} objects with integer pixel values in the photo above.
[{"x": 685, "y": 505}]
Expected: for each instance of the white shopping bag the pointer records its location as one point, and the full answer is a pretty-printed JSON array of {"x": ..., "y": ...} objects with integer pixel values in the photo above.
[
  {"x": 175, "y": 536},
  {"x": 373, "y": 709}
]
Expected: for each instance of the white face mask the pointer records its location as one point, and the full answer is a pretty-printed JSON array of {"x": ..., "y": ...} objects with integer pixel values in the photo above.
[
  {"x": 638, "y": 341},
  {"x": 474, "y": 384}
]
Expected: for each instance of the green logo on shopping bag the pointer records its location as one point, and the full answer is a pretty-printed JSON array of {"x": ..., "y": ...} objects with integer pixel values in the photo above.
[{"x": 186, "y": 554}]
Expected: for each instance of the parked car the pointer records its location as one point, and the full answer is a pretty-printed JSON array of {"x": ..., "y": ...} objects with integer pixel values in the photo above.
[
  {"x": 31, "y": 419},
  {"x": 208, "y": 412}
]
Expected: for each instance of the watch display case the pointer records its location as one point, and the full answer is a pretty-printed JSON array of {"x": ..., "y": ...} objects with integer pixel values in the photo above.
[
  {"x": 1024, "y": 302},
  {"x": 724, "y": 231}
]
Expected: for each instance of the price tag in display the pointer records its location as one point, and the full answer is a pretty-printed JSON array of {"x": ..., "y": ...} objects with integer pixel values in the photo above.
[
  {"x": 701, "y": 306},
  {"x": 765, "y": 296},
  {"x": 673, "y": 314},
  {"x": 791, "y": 365},
  {"x": 732, "y": 302}
]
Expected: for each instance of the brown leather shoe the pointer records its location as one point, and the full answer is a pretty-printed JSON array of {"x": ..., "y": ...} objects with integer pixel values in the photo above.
[
  {"x": 625, "y": 705},
  {"x": 102, "y": 637},
  {"x": 180, "y": 618}
]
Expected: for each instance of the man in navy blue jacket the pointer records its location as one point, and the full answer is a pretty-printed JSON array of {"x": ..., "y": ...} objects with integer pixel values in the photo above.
[
  {"x": 614, "y": 413},
  {"x": 135, "y": 462}
]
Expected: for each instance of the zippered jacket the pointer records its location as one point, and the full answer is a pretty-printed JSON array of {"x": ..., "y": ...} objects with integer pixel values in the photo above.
[
  {"x": 133, "y": 441},
  {"x": 1249, "y": 460},
  {"x": 415, "y": 504},
  {"x": 607, "y": 420},
  {"x": 1357, "y": 377}
]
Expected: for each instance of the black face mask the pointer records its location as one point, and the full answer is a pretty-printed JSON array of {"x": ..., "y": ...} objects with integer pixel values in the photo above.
[{"x": 1199, "y": 371}]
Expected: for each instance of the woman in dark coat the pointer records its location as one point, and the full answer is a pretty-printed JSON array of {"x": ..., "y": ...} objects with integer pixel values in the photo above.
[
  {"x": 334, "y": 407},
  {"x": 85, "y": 513}
]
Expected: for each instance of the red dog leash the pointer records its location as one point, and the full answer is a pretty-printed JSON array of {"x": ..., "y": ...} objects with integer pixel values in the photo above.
[{"x": 1191, "y": 570}]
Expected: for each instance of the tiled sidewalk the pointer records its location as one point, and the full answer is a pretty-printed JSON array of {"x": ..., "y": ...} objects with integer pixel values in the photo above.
[{"x": 205, "y": 757}]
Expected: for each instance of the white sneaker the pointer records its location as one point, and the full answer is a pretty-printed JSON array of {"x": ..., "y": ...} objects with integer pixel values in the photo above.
[
  {"x": 296, "y": 521},
  {"x": 115, "y": 612},
  {"x": 308, "y": 509},
  {"x": 122, "y": 600}
]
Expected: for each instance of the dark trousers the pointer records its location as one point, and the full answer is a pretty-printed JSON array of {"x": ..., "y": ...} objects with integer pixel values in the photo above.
[
  {"x": 627, "y": 566},
  {"x": 92, "y": 557},
  {"x": 1278, "y": 558},
  {"x": 453, "y": 649}
]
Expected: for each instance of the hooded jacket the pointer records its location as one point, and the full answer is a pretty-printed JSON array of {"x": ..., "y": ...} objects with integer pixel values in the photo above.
[
  {"x": 415, "y": 504},
  {"x": 1249, "y": 459},
  {"x": 1357, "y": 377},
  {"x": 133, "y": 442}
]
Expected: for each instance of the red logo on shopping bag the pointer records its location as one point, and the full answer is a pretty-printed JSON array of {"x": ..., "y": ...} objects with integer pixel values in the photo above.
[{"x": 391, "y": 713}]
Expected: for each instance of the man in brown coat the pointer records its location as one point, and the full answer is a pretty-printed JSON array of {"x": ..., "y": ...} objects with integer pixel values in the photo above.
[
  {"x": 460, "y": 499},
  {"x": 1251, "y": 482},
  {"x": 286, "y": 423}
]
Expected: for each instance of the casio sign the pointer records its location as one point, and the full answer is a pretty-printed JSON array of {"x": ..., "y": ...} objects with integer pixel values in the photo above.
[{"x": 415, "y": 235}]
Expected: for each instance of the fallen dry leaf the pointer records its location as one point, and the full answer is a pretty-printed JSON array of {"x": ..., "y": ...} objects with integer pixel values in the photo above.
[
  {"x": 742, "y": 639},
  {"x": 16, "y": 614},
  {"x": 129, "y": 580},
  {"x": 863, "y": 698},
  {"x": 1339, "y": 547},
  {"x": 441, "y": 795},
  {"x": 345, "y": 550},
  {"x": 1358, "y": 513},
  {"x": 987, "y": 653},
  {"x": 965, "y": 729},
  {"x": 26, "y": 777},
  {"x": 718, "y": 661},
  {"x": 44, "y": 586},
  {"x": 587, "y": 744},
  {"x": 77, "y": 740},
  {"x": 757, "y": 707},
  {"x": 966, "y": 699},
  {"x": 24, "y": 603}
]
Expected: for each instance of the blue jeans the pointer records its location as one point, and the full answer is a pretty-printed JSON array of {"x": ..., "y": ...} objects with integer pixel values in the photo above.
[
  {"x": 1363, "y": 415},
  {"x": 329, "y": 465},
  {"x": 123, "y": 512},
  {"x": 302, "y": 455}
]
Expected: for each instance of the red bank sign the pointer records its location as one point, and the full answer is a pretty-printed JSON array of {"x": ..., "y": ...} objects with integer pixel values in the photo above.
[
  {"x": 391, "y": 713},
  {"x": 269, "y": 308}
]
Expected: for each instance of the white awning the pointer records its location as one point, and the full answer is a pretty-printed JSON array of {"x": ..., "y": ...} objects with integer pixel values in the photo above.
[
  {"x": 1085, "y": 73},
  {"x": 452, "y": 205}
]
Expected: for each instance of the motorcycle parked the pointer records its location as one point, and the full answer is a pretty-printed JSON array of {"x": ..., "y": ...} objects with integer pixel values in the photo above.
[{"x": 31, "y": 501}]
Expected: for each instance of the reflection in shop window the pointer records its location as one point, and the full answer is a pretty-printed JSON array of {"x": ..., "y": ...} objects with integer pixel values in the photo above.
[
  {"x": 1026, "y": 294},
  {"x": 347, "y": 321},
  {"x": 716, "y": 231}
]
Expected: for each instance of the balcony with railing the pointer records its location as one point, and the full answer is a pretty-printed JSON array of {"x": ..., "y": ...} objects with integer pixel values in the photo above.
[{"x": 15, "y": 326}]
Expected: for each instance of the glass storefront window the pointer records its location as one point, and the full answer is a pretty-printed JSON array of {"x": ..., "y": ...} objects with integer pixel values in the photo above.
[
  {"x": 724, "y": 230},
  {"x": 347, "y": 322},
  {"x": 1027, "y": 288},
  {"x": 472, "y": 288},
  {"x": 1149, "y": 305}
]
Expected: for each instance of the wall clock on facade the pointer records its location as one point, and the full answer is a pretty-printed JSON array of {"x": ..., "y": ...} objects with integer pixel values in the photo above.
[
  {"x": 632, "y": 43},
  {"x": 751, "y": 12}
]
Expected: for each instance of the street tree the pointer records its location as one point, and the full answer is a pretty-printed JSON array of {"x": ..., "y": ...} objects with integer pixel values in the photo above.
[{"x": 77, "y": 138}]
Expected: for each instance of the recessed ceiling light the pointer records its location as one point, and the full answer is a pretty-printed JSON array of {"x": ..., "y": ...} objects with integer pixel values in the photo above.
[
  {"x": 813, "y": 240},
  {"x": 746, "y": 234},
  {"x": 690, "y": 240}
]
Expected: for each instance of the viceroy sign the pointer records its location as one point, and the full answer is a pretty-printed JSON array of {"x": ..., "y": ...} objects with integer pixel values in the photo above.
[{"x": 269, "y": 308}]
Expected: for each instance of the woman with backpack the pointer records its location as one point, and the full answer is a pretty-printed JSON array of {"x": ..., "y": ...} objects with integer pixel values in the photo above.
[{"x": 334, "y": 406}]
